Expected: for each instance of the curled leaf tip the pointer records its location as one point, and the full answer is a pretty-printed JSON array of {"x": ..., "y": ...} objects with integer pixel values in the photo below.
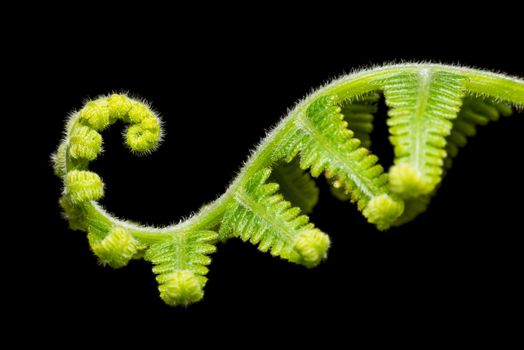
[
  {"x": 406, "y": 181},
  {"x": 383, "y": 210},
  {"x": 180, "y": 288},
  {"x": 312, "y": 245},
  {"x": 144, "y": 136},
  {"x": 115, "y": 249}
]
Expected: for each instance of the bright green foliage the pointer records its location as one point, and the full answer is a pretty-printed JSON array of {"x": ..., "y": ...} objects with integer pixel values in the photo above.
[
  {"x": 143, "y": 136},
  {"x": 180, "y": 264},
  {"x": 423, "y": 104},
  {"x": 475, "y": 112},
  {"x": 326, "y": 145},
  {"x": 359, "y": 114},
  {"x": 296, "y": 185},
  {"x": 261, "y": 216},
  {"x": 433, "y": 110}
]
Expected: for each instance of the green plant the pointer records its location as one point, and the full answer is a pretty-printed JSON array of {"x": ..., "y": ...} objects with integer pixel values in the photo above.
[{"x": 433, "y": 109}]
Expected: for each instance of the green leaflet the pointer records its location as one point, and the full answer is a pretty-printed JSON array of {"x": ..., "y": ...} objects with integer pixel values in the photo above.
[
  {"x": 180, "y": 264},
  {"x": 261, "y": 216},
  {"x": 326, "y": 145},
  {"x": 296, "y": 185},
  {"x": 476, "y": 111},
  {"x": 358, "y": 113},
  {"x": 423, "y": 104}
]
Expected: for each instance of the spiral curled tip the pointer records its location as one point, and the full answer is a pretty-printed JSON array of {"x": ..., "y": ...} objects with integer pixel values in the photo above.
[
  {"x": 116, "y": 249},
  {"x": 383, "y": 211},
  {"x": 84, "y": 142},
  {"x": 312, "y": 245},
  {"x": 407, "y": 182},
  {"x": 144, "y": 136},
  {"x": 180, "y": 288},
  {"x": 145, "y": 133},
  {"x": 82, "y": 185}
]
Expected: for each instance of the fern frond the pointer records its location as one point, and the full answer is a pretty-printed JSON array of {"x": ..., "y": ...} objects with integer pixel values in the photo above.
[
  {"x": 261, "y": 216},
  {"x": 296, "y": 185},
  {"x": 180, "y": 264},
  {"x": 423, "y": 104},
  {"x": 326, "y": 145},
  {"x": 359, "y": 114},
  {"x": 328, "y": 132},
  {"x": 475, "y": 111}
]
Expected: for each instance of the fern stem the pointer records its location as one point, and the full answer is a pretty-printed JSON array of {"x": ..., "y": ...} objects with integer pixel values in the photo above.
[{"x": 496, "y": 86}]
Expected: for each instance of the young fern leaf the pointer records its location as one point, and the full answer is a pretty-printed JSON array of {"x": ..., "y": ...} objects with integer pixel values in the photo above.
[
  {"x": 180, "y": 264},
  {"x": 326, "y": 145},
  {"x": 296, "y": 185},
  {"x": 422, "y": 108},
  {"x": 358, "y": 113},
  {"x": 261, "y": 216},
  {"x": 430, "y": 120},
  {"x": 476, "y": 111}
]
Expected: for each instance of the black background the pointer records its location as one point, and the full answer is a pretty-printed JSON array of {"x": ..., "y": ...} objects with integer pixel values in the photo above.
[{"x": 455, "y": 270}]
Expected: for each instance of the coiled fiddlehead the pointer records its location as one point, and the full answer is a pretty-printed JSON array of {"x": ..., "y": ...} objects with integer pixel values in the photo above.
[{"x": 433, "y": 109}]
